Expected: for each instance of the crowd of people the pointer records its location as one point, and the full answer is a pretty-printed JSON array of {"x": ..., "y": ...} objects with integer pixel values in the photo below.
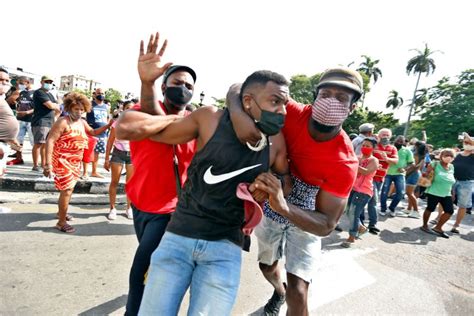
[
  {"x": 198, "y": 183},
  {"x": 412, "y": 169}
]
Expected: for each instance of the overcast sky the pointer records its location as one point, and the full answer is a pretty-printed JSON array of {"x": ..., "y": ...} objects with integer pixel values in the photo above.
[{"x": 225, "y": 41}]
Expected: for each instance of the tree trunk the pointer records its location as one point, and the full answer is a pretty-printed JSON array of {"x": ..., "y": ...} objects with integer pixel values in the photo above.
[{"x": 407, "y": 125}]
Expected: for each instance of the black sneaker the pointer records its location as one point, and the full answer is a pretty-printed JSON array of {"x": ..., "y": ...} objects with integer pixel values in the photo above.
[
  {"x": 375, "y": 229},
  {"x": 272, "y": 308}
]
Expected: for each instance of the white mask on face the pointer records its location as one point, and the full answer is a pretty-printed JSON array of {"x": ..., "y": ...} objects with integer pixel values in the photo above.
[
  {"x": 447, "y": 159},
  {"x": 74, "y": 116},
  {"x": 4, "y": 88},
  {"x": 468, "y": 147}
]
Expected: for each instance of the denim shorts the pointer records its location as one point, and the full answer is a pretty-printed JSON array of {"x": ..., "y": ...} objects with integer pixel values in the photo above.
[
  {"x": 301, "y": 249},
  {"x": 25, "y": 127},
  {"x": 121, "y": 157},
  {"x": 412, "y": 179},
  {"x": 463, "y": 190}
]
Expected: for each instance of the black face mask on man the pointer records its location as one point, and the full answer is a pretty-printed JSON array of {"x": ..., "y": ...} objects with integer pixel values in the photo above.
[
  {"x": 178, "y": 96},
  {"x": 270, "y": 123}
]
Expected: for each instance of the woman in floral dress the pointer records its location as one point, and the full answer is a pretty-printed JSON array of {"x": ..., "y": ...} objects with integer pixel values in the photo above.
[{"x": 64, "y": 150}]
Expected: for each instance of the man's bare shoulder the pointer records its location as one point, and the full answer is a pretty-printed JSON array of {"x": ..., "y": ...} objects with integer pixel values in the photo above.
[{"x": 208, "y": 112}]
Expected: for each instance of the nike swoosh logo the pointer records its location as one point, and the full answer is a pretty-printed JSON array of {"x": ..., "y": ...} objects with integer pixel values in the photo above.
[{"x": 209, "y": 178}]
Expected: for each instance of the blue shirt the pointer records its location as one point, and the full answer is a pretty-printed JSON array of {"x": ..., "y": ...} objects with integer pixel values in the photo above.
[{"x": 98, "y": 117}]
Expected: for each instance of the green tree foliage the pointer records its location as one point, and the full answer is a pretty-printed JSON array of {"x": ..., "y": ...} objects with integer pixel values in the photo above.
[
  {"x": 302, "y": 87},
  {"x": 421, "y": 63},
  {"x": 363, "y": 115},
  {"x": 421, "y": 99},
  {"x": 87, "y": 93},
  {"x": 220, "y": 103},
  {"x": 113, "y": 96},
  {"x": 394, "y": 100},
  {"x": 450, "y": 110}
]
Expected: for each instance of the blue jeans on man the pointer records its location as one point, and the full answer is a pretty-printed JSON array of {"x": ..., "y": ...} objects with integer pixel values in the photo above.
[
  {"x": 211, "y": 269},
  {"x": 399, "y": 182},
  {"x": 372, "y": 205}
]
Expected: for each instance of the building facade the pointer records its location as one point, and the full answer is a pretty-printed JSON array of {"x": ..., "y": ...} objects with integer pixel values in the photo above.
[{"x": 71, "y": 82}]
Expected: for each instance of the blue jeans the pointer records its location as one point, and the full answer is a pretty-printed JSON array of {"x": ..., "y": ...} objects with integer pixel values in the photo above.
[
  {"x": 149, "y": 228},
  {"x": 463, "y": 190},
  {"x": 356, "y": 207},
  {"x": 399, "y": 181},
  {"x": 24, "y": 128},
  {"x": 210, "y": 268},
  {"x": 371, "y": 208}
]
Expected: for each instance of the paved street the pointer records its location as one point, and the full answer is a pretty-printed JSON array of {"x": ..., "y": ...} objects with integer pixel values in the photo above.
[{"x": 401, "y": 271}]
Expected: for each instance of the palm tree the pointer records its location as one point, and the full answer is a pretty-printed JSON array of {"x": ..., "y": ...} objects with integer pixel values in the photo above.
[
  {"x": 394, "y": 101},
  {"x": 421, "y": 63},
  {"x": 421, "y": 99},
  {"x": 369, "y": 67}
]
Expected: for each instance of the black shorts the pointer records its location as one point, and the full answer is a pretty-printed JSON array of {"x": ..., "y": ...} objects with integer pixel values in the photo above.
[
  {"x": 445, "y": 201},
  {"x": 121, "y": 157}
]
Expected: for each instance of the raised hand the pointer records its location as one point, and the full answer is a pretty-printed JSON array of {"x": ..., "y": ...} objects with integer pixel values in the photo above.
[{"x": 149, "y": 63}]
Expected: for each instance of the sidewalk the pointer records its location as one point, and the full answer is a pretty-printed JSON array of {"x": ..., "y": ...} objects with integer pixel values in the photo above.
[{"x": 22, "y": 178}]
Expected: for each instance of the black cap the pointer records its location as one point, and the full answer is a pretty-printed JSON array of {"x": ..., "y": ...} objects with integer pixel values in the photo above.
[{"x": 175, "y": 68}]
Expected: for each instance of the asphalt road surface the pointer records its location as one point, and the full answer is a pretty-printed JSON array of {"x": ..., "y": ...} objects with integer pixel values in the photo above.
[{"x": 401, "y": 271}]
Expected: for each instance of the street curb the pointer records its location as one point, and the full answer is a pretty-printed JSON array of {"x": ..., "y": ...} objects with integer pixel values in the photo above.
[{"x": 38, "y": 185}]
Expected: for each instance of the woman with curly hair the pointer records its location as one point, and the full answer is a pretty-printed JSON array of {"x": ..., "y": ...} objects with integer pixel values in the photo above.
[
  {"x": 64, "y": 150},
  {"x": 440, "y": 192}
]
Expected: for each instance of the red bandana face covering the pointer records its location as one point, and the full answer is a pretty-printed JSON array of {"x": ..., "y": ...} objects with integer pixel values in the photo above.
[{"x": 329, "y": 111}]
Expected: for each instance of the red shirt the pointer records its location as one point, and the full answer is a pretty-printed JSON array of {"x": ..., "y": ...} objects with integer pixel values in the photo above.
[
  {"x": 331, "y": 165},
  {"x": 152, "y": 187},
  {"x": 383, "y": 164}
]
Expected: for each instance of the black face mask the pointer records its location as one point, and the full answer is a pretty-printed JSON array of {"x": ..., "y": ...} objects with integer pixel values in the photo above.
[
  {"x": 100, "y": 97},
  {"x": 270, "y": 123},
  {"x": 398, "y": 146},
  {"x": 179, "y": 96}
]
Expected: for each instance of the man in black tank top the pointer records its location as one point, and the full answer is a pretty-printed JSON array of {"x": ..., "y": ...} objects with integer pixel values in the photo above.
[{"x": 201, "y": 248}]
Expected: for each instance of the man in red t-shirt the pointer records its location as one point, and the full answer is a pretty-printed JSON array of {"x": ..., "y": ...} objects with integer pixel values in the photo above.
[
  {"x": 323, "y": 166},
  {"x": 152, "y": 189},
  {"x": 387, "y": 155}
]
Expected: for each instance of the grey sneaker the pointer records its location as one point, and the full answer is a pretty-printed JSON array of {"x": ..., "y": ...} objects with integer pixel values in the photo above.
[
  {"x": 393, "y": 213},
  {"x": 382, "y": 213},
  {"x": 272, "y": 308}
]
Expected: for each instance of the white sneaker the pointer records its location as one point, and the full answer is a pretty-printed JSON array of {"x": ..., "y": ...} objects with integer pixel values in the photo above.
[
  {"x": 393, "y": 213},
  {"x": 129, "y": 213},
  {"x": 414, "y": 214},
  {"x": 112, "y": 214},
  {"x": 382, "y": 213},
  {"x": 407, "y": 212}
]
